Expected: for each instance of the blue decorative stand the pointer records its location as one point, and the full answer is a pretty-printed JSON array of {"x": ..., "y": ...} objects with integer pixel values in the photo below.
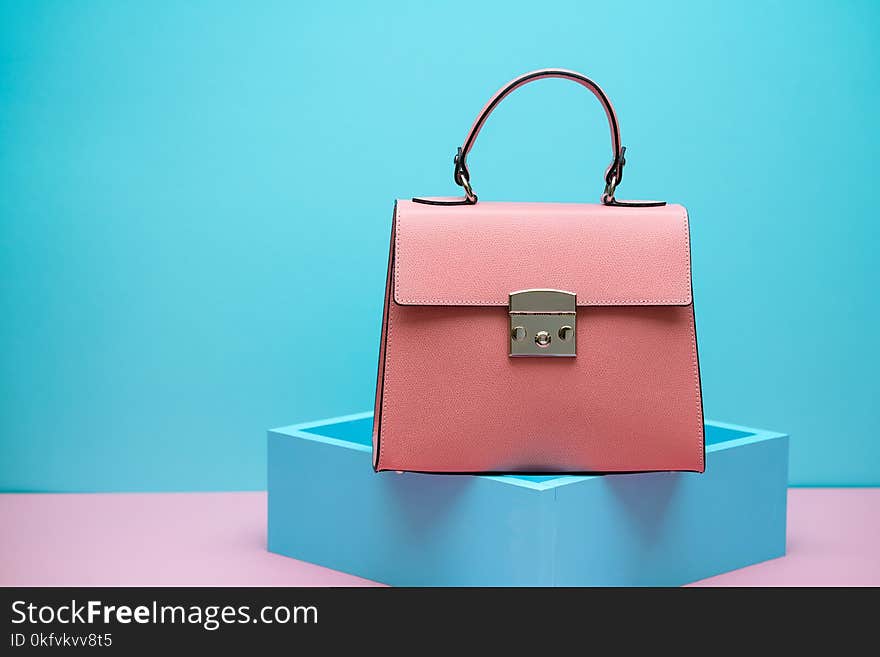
[{"x": 327, "y": 506}]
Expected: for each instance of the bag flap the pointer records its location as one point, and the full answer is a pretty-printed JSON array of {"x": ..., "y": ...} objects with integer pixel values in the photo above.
[{"x": 476, "y": 255}]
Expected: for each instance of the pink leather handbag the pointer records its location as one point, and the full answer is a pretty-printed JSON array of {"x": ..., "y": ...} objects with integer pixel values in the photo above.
[{"x": 538, "y": 337}]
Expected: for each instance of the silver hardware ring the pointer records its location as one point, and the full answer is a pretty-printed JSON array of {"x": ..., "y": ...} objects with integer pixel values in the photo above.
[
  {"x": 468, "y": 190},
  {"x": 610, "y": 187}
]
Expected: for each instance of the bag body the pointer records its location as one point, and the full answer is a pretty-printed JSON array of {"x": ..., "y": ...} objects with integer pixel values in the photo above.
[{"x": 538, "y": 337}]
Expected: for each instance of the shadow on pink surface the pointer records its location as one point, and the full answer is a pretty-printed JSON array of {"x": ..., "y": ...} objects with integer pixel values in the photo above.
[{"x": 219, "y": 539}]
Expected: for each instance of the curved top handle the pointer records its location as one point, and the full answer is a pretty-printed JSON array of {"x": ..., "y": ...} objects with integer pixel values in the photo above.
[{"x": 614, "y": 172}]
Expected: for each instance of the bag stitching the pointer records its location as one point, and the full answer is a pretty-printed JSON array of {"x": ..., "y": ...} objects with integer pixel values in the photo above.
[
  {"x": 697, "y": 394},
  {"x": 383, "y": 427},
  {"x": 581, "y": 304},
  {"x": 695, "y": 361},
  {"x": 606, "y": 302},
  {"x": 388, "y": 351}
]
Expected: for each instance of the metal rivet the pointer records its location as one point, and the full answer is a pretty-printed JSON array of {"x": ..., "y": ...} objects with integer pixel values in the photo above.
[
  {"x": 518, "y": 333},
  {"x": 565, "y": 332},
  {"x": 542, "y": 339}
]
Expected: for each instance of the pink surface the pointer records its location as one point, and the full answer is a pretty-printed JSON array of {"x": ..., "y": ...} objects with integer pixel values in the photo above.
[
  {"x": 833, "y": 540},
  {"x": 219, "y": 539},
  {"x": 146, "y": 539}
]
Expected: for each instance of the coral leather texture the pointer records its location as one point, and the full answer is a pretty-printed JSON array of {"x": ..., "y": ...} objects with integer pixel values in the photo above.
[{"x": 450, "y": 398}]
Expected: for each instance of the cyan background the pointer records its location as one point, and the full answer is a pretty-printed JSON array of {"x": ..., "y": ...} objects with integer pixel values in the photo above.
[{"x": 195, "y": 202}]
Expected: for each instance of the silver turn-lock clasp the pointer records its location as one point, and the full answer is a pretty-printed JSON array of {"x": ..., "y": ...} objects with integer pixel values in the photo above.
[{"x": 543, "y": 323}]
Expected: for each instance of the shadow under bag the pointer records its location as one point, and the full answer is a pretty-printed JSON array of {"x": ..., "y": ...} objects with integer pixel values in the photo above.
[{"x": 538, "y": 337}]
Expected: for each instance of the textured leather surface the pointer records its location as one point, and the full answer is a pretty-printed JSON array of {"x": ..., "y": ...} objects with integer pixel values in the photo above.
[
  {"x": 478, "y": 254},
  {"x": 450, "y": 399}
]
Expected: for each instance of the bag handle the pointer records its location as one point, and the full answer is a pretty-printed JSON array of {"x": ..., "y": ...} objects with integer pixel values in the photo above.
[{"x": 614, "y": 172}]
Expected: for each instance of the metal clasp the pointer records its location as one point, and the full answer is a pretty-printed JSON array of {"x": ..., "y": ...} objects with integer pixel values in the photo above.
[{"x": 543, "y": 323}]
